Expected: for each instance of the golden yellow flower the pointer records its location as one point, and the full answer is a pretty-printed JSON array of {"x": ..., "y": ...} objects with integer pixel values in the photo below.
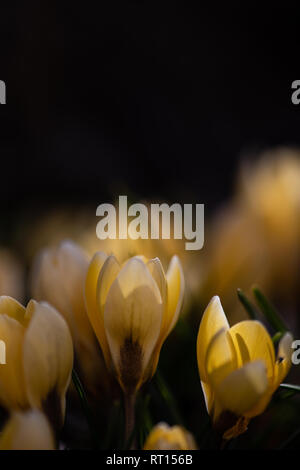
[
  {"x": 39, "y": 358},
  {"x": 164, "y": 437},
  {"x": 238, "y": 368},
  {"x": 58, "y": 277},
  {"x": 133, "y": 308},
  {"x": 28, "y": 430}
]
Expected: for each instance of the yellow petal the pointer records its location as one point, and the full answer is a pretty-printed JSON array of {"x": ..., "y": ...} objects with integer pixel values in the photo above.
[
  {"x": 156, "y": 270},
  {"x": 27, "y": 431},
  {"x": 132, "y": 320},
  {"x": 212, "y": 322},
  {"x": 252, "y": 342},
  {"x": 213, "y": 406},
  {"x": 284, "y": 360},
  {"x": 208, "y": 396},
  {"x": 175, "y": 281},
  {"x": 107, "y": 275},
  {"x": 12, "y": 384},
  {"x": 91, "y": 283},
  {"x": 172, "y": 300},
  {"x": 58, "y": 278},
  {"x": 243, "y": 388},
  {"x": 220, "y": 358},
  {"x": 48, "y": 359},
  {"x": 12, "y": 308}
]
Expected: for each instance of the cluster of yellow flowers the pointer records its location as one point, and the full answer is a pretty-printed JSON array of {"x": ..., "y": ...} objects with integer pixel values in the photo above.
[{"x": 129, "y": 308}]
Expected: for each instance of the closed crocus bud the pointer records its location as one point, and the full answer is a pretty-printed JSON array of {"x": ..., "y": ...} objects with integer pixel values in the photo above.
[
  {"x": 58, "y": 277},
  {"x": 28, "y": 430},
  {"x": 164, "y": 437},
  {"x": 238, "y": 368},
  {"x": 132, "y": 308},
  {"x": 39, "y": 358}
]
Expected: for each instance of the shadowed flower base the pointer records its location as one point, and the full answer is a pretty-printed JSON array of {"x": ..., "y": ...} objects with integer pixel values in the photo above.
[{"x": 230, "y": 426}]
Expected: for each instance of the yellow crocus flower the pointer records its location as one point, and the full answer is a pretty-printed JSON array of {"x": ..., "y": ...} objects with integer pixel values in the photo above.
[
  {"x": 238, "y": 368},
  {"x": 133, "y": 308},
  {"x": 39, "y": 358},
  {"x": 164, "y": 437},
  {"x": 58, "y": 277},
  {"x": 29, "y": 430}
]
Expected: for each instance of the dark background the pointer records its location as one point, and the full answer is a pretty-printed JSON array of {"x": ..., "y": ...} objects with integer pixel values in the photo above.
[{"x": 158, "y": 100}]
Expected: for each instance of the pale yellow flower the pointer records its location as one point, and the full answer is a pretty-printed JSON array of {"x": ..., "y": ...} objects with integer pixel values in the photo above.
[
  {"x": 133, "y": 307},
  {"x": 58, "y": 277},
  {"x": 39, "y": 358},
  {"x": 28, "y": 430},
  {"x": 238, "y": 368},
  {"x": 164, "y": 437}
]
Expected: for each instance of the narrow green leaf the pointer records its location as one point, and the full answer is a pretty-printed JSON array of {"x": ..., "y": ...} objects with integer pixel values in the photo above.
[
  {"x": 295, "y": 388},
  {"x": 277, "y": 337},
  {"x": 248, "y": 306},
  {"x": 85, "y": 406},
  {"x": 168, "y": 398},
  {"x": 269, "y": 311}
]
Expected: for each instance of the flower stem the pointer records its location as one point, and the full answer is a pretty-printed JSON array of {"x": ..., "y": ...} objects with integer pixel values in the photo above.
[{"x": 129, "y": 404}]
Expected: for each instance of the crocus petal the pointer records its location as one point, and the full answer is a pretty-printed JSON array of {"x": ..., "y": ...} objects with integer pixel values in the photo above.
[
  {"x": 107, "y": 275},
  {"x": 157, "y": 272},
  {"x": 12, "y": 308},
  {"x": 175, "y": 281},
  {"x": 27, "y": 431},
  {"x": 12, "y": 384},
  {"x": 48, "y": 359},
  {"x": 212, "y": 322},
  {"x": 283, "y": 362},
  {"x": 132, "y": 320},
  {"x": 58, "y": 277},
  {"x": 243, "y": 388},
  {"x": 91, "y": 283},
  {"x": 252, "y": 342},
  {"x": 208, "y": 396},
  {"x": 220, "y": 358}
]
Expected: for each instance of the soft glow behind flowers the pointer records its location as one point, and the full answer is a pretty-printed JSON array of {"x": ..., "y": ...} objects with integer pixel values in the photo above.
[
  {"x": 237, "y": 366},
  {"x": 132, "y": 308}
]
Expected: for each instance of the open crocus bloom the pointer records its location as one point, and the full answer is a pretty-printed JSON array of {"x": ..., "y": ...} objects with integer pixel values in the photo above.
[
  {"x": 238, "y": 368},
  {"x": 164, "y": 437},
  {"x": 39, "y": 358},
  {"x": 132, "y": 308},
  {"x": 29, "y": 430}
]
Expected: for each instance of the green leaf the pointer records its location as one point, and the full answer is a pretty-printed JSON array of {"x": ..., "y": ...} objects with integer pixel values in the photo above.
[
  {"x": 85, "y": 406},
  {"x": 295, "y": 388},
  {"x": 269, "y": 311},
  {"x": 277, "y": 337},
  {"x": 168, "y": 398},
  {"x": 248, "y": 306}
]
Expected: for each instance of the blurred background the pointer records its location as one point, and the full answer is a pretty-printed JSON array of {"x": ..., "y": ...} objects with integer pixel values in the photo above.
[{"x": 161, "y": 102}]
